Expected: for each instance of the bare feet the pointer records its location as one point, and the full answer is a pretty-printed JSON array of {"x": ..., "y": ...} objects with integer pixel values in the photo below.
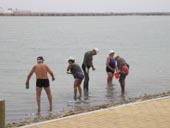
[{"x": 51, "y": 109}]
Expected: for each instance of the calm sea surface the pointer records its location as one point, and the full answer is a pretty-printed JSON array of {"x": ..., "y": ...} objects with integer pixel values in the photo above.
[{"x": 144, "y": 41}]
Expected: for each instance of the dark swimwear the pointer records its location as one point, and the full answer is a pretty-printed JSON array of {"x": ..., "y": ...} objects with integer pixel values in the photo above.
[
  {"x": 79, "y": 75},
  {"x": 76, "y": 71},
  {"x": 42, "y": 83},
  {"x": 109, "y": 70}
]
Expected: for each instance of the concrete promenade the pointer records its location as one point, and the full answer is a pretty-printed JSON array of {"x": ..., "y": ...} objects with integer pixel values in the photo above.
[{"x": 146, "y": 114}]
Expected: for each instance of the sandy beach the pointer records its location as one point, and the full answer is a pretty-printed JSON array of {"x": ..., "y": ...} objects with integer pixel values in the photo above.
[{"x": 40, "y": 118}]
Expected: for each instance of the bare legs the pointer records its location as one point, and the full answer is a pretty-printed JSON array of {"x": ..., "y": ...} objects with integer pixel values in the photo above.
[
  {"x": 77, "y": 87},
  {"x": 38, "y": 97},
  {"x": 109, "y": 78},
  {"x": 48, "y": 92},
  {"x": 122, "y": 82}
]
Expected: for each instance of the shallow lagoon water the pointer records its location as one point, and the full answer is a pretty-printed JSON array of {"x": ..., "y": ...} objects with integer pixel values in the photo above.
[{"x": 142, "y": 40}]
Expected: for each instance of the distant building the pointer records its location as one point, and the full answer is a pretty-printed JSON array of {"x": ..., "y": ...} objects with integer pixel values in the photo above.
[
  {"x": 21, "y": 11},
  {"x": 14, "y": 11},
  {"x": 9, "y": 11}
]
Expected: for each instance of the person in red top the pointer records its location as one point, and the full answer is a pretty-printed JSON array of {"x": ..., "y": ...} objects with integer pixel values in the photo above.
[{"x": 123, "y": 69}]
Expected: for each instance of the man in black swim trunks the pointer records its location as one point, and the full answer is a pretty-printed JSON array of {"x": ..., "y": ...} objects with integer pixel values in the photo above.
[{"x": 41, "y": 70}]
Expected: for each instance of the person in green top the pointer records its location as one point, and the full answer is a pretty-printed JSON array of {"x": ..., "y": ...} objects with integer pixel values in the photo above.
[{"x": 87, "y": 63}]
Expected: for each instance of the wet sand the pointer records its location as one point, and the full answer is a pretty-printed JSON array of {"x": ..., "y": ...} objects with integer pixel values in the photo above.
[{"x": 40, "y": 118}]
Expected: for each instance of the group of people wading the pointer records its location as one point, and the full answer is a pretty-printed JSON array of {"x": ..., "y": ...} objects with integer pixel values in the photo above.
[{"x": 115, "y": 65}]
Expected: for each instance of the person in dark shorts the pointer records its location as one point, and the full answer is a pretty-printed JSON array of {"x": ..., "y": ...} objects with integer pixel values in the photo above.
[
  {"x": 78, "y": 75},
  {"x": 110, "y": 67},
  {"x": 42, "y": 83},
  {"x": 123, "y": 69},
  {"x": 87, "y": 63},
  {"x": 41, "y": 70}
]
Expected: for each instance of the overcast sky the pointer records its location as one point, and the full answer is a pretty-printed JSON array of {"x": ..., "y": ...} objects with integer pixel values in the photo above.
[{"x": 89, "y": 5}]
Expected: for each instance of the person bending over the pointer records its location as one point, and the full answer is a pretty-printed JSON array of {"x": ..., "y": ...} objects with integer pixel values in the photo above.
[
  {"x": 87, "y": 63},
  {"x": 123, "y": 69},
  {"x": 78, "y": 75}
]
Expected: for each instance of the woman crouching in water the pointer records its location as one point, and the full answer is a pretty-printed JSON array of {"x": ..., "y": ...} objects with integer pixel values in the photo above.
[{"x": 78, "y": 75}]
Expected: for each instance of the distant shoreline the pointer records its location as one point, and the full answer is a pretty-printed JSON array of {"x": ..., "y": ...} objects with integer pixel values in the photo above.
[{"x": 86, "y": 14}]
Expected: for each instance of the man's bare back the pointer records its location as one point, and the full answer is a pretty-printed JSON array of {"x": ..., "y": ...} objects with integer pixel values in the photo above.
[{"x": 41, "y": 71}]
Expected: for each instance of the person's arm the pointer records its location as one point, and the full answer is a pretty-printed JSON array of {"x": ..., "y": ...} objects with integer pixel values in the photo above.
[
  {"x": 51, "y": 73},
  {"x": 68, "y": 69},
  {"x": 90, "y": 61},
  {"x": 116, "y": 68},
  {"x": 93, "y": 68},
  {"x": 118, "y": 65},
  {"x": 29, "y": 75}
]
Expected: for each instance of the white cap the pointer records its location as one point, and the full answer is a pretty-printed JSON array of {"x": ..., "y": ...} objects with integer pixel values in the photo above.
[
  {"x": 97, "y": 50},
  {"x": 111, "y": 51},
  {"x": 71, "y": 58}
]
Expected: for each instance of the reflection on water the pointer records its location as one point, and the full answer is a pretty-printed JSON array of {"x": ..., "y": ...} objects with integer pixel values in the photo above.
[
  {"x": 86, "y": 95},
  {"x": 115, "y": 96},
  {"x": 110, "y": 92}
]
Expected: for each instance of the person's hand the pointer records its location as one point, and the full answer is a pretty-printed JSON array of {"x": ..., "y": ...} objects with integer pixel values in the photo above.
[
  {"x": 68, "y": 72},
  {"x": 27, "y": 83},
  {"x": 53, "y": 78}
]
